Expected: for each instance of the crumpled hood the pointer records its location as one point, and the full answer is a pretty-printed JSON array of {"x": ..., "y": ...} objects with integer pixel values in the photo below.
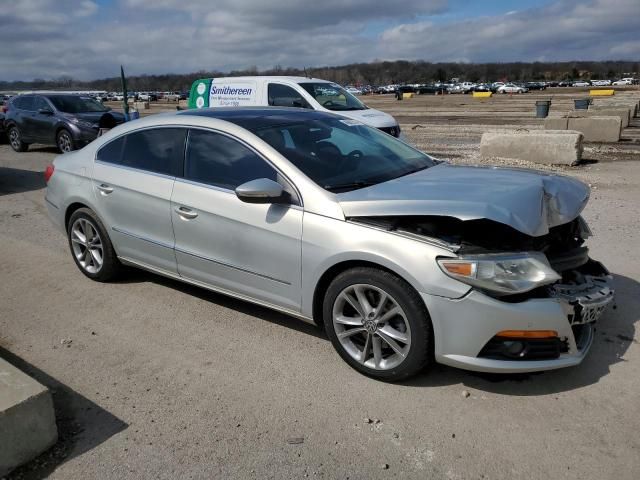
[{"x": 527, "y": 200}]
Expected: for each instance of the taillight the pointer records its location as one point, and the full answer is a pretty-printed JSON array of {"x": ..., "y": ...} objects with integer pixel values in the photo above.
[
  {"x": 48, "y": 173},
  {"x": 5, "y": 109}
]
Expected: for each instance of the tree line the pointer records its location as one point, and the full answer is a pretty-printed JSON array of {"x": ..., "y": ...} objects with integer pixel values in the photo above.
[{"x": 373, "y": 73}]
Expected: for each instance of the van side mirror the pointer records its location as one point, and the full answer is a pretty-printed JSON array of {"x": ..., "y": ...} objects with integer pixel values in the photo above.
[
  {"x": 262, "y": 190},
  {"x": 45, "y": 111}
]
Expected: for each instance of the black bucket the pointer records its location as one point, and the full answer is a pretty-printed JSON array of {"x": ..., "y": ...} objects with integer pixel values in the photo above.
[
  {"x": 582, "y": 103},
  {"x": 542, "y": 108}
]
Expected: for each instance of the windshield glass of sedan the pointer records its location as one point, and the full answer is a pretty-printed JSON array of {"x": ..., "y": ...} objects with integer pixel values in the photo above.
[
  {"x": 333, "y": 97},
  {"x": 73, "y": 104},
  {"x": 342, "y": 154}
]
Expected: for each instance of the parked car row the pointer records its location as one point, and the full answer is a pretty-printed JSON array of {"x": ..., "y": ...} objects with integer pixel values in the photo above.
[
  {"x": 469, "y": 87},
  {"x": 144, "y": 96}
]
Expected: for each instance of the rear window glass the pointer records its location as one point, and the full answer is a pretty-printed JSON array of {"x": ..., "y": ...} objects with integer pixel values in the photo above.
[
  {"x": 159, "y": 150},
  {"x": 24, "y": 103}
]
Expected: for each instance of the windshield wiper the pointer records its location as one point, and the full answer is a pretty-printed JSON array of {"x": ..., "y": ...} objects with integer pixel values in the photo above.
[{"x": 356, "y": 184}]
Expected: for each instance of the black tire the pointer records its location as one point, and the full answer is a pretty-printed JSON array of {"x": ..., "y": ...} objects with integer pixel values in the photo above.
[
  {"x": 64, "y": 141},
  {"x": 420, "y": 353},
  {"x": 111, "y": 266},
  {"x": 15, "y": 139}
]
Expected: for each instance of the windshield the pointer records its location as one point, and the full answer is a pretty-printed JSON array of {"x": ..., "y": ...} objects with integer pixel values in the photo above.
[
  {"x": 343, "y": 154},
  {"x": 74, "y": 104},
  {"x": 333, "y": 97}
]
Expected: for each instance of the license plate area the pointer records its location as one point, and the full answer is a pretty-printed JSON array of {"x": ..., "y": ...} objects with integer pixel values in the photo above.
[{"x": 589, "y": 299}]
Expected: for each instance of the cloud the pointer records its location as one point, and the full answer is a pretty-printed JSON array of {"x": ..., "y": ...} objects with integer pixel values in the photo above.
[
  {"x": 564, "y": 30},
  {"x": 85, "y": 39}
]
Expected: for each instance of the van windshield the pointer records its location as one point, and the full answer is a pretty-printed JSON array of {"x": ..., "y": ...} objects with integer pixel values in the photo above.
[{"x": 333, "y": 97}]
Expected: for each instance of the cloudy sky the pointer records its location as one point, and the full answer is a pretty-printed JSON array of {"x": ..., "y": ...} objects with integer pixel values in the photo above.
[{"x": 89, "y": 39}]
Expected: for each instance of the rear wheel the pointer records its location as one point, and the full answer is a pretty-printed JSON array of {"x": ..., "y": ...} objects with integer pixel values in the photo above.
[
  {"x": 15, "y": 139},
  {"x": 65, "y": 142},
  {"x": 378, "y": 324},
  {"x": 91, "y": 247}
]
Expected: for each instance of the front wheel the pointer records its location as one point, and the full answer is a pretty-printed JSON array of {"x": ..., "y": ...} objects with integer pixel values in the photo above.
[
  {"x": 378, "y": 324},
  {"x": 65, "y": 142}
]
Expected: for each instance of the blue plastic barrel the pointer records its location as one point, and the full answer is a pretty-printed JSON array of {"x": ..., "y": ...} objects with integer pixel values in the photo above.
[
  {"x": 582, "y": 103},
  {"x": 542, "y": 108}
]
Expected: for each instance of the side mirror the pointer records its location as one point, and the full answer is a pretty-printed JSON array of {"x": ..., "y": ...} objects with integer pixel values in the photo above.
[
  {"x": 261, "y": 190},
  {"x": 45, "y": 111}
]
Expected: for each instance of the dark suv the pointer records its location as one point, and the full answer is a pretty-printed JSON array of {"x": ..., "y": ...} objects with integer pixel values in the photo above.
[{"x": 65, "y": 120}]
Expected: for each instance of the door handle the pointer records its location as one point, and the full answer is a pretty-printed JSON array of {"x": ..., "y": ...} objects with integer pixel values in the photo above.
[
  {"x": 105, "y": 189},
  {"x": 186, "y": 213}
]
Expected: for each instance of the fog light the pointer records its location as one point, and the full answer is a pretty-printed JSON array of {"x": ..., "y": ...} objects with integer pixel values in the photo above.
[{"x": 513, "y": 349}]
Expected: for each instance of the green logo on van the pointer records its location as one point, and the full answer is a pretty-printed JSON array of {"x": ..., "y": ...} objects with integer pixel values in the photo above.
[{"x": 199, "y": 95}]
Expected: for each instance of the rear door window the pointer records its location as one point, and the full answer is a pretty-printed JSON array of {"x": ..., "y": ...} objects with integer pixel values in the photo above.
[
  {"x": 285, "y": 96},
  {"x": 158, "y": 150},
  {"x": 24, "y": 103}
]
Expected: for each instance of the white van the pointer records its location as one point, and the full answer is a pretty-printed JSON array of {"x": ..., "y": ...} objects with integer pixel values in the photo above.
[{"x": 300, "y": 92}]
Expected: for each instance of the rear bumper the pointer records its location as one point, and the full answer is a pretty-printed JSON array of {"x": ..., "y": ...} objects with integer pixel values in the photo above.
[{"x": 462, "y": 328}]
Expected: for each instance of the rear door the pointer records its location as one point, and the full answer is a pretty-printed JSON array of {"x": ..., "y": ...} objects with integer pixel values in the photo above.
[
  {"x": 23, "y": 106},
  {"x": 247, "y": 249},
  {"x": 133, "y": 178}
]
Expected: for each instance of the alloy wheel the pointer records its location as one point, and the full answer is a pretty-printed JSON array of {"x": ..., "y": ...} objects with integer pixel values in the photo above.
[
  {"x": 371, "y": 326},
  {"x": 14, "y": 138},
  {"x": 87, "y": 245},
  {"x": 64, "y": 142}
]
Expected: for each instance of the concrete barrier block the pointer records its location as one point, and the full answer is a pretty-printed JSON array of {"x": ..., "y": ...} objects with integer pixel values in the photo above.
[
  {"x": 628, "y": 108},
  {"x": 141, "y": 105},
  {"x": 556, "y": 123},
  {"x": 27, "y": 420},
  {"x": 633, "y": 106},
  {"x": 551, "y": 147},
  {"x": 595, "y": 111},
  {"x": 597, "y": 129},
  {"x": 482, "y": 94}
]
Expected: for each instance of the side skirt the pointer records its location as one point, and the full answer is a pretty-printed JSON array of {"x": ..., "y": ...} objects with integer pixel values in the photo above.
[{"x": 165, "y": 273}]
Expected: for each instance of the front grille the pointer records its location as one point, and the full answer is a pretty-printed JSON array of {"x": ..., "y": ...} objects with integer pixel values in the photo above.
[
  {"x": 533, "y": 349},
  {"x": 393, "y": 131}
]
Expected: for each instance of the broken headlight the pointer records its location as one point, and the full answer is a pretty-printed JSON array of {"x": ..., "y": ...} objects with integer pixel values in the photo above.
[{"x": 501, "y": 273}]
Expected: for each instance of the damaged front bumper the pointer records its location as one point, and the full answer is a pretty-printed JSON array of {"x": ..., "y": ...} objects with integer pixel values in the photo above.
[{"x": 466, "y": 329}]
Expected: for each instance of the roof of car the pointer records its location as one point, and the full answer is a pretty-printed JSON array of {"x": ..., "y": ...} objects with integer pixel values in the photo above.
[{"x": 256, "y": 118}]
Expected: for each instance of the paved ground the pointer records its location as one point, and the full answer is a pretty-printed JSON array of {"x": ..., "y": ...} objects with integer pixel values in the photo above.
[{"x": 155, "y": 379}]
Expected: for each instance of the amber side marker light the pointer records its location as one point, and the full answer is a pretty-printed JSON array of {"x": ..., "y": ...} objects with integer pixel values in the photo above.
[
  {"x": 465, "y": 269},
  {"x": 527, "y": 334}
]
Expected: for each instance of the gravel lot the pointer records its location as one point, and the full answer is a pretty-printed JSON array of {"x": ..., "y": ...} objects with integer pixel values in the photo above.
[{"x": 155, "y": 379}]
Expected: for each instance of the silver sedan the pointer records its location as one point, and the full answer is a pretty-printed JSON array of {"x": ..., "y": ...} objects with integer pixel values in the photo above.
[{"x": 404, "y": 260}]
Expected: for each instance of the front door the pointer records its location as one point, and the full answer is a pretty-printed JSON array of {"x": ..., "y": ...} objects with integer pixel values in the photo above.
[
  {"x": 43, "y": 124},
  {"x": 251, "y": 250},
  {"x": 133, "y": 178}
]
